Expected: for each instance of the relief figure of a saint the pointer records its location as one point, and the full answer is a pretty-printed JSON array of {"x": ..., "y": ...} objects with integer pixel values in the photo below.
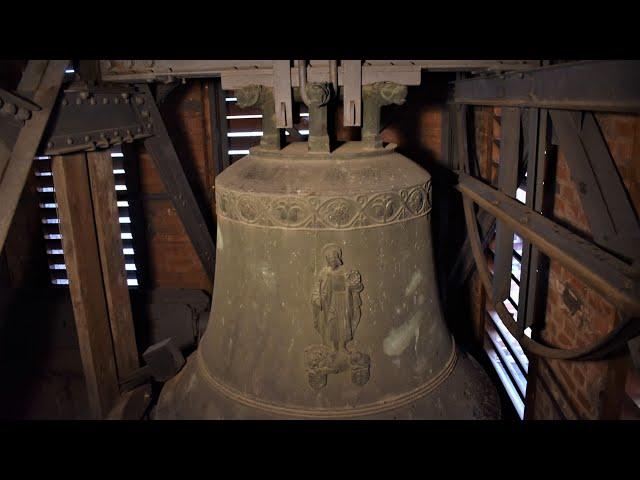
[{"x": 336, "y": 303}]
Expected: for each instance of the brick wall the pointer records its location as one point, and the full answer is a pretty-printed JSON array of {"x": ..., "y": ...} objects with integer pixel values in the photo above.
[{"x": 575, "y": 315}]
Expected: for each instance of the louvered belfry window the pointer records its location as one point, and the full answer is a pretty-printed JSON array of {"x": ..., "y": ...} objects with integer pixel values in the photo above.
[
  {"x": 51, "y": 222},
  {"x": 244, "y": 128}
]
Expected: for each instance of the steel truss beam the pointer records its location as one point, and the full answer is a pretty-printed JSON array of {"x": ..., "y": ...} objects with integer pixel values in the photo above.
[
  {"x": 261, "y": 71},
  {"x": 90, "y": 118},
  {"x": 87, "y": 118},
  {"x": 590, "y": 85}
]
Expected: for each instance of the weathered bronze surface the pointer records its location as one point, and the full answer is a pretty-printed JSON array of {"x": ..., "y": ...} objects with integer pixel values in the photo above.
[{"x": 325, "y": 303}]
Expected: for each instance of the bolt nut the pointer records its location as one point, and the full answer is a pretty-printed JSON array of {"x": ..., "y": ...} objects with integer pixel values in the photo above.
[
  {"x": 87, "y": 138},
  {"x": 69, "y": 141},
  {"x": 84, "y": 95},
  {"x": 105, "y": 100},
  {"x": 124, "y": 95}
]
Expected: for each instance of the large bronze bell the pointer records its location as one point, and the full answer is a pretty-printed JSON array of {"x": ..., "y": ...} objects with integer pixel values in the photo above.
[{"x": 325, "y": 304}]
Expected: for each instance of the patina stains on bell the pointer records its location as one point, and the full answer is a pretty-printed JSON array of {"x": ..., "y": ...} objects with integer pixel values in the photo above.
[{"x": 325, "y": 303}]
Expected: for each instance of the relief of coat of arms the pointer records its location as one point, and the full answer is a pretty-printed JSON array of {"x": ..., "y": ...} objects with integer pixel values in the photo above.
[{"x": 336, "y": 306}]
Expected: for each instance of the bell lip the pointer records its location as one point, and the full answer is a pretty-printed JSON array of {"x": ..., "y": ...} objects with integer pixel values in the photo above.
[
  {"x": 299, "y": 151},
  {"x": 171, "y": 407}
]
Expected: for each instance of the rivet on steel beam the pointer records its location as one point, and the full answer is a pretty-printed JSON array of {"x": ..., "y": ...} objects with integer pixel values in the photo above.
[
  {"x": 116, "y": 100},
  {"x": 139, "y": 100},
  {"x": 144, "y": 113},
  {"x": 23, "y": 114},
  {"x": 87, "y": 138},
  {"x": 69, "y": 141},
  {"x": 49, "y": 144},
  {"x": 92, "y": 101},
  {"x": 149, "y": 126},
  {"x": 9, "y": 108},
  {"x": 124, "y": 95},
  {"x": 84, "y": 95},
  {"x": 78, "y": 101},
  {"x": 65, "y": 102},
  {"x": 105, "y": 100}
]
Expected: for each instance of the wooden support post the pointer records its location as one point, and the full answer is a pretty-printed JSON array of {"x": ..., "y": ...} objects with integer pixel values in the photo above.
[
  {"x": 507, "y": 183},
  {"x": 603, "y": 195},
  {"x": 168, "y": 165},
  {"x": 218, "y": 106},
  {"x": 82, "y": 258},
  {"x": 40, "y": 83},
  {"x": 105, "y": 210}
]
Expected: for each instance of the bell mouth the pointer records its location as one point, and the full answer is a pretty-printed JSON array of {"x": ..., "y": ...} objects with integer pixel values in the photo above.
[{"x": 300, "y": 151}]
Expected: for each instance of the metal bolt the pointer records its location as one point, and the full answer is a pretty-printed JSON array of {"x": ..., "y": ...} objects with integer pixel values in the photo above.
[
  {"x": 65, "y": 102},
  {"x": 84, "y": 95},
  {"x": 78, "y": 101},
  {"x": 49, "y": 144},
  {"x": 149, "y": 126},
  {"x": 23, "y": 114},
  {"x": 139, "y": 100},
  {"x": 69, "y": 141},
  {"x": 92, "y": 101},
  {"x": 87, "y": 138},
  {"x": 105, "y": 100},
  {"x": 116, "y": 100},
  {"x": 139, "y": 129},
  {"x": 124, "y": 95},
  {"x": 116, "y": 133},
  {"x": 9, "y": 108},
  {"x": 144, "y": 113}
]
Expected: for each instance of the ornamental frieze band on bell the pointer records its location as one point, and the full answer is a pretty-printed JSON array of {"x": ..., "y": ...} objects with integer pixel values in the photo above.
[{"x": 325, "y": 304}]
